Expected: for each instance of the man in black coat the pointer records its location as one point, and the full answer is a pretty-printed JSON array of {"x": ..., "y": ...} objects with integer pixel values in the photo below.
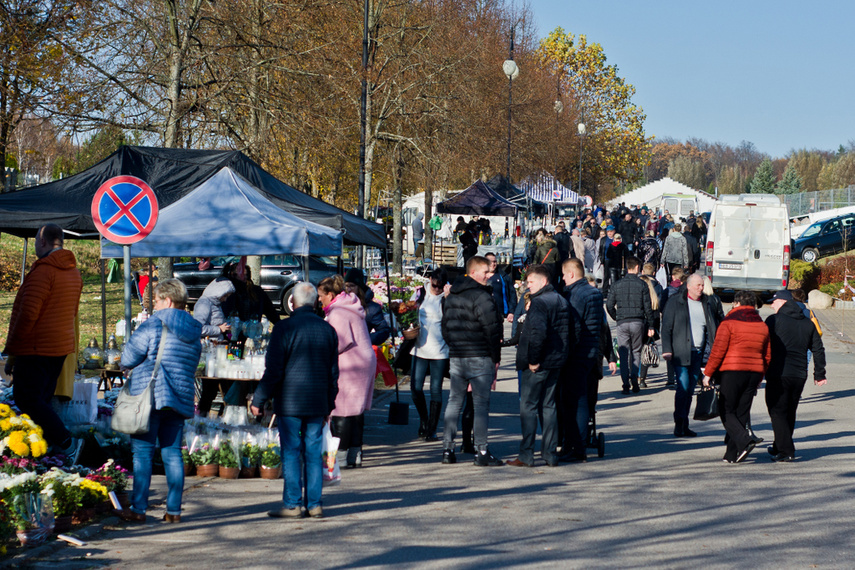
[
  {"x": 473, "y": 332},
  {"x": 301, "y": 375},
  {"x": 688, "y": 332},
  {"x": 541, "y": 353},
  {"x": 579, "y": 380},
  {"x": 694, "y": 248},
  {"x": 504, "y": 293},
  {"x": 791, "y": 335},
  {"x": 629, "y": 305}
]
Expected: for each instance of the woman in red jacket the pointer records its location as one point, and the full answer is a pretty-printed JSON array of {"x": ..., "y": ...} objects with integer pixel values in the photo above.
[{"x": 740, "y": 354}]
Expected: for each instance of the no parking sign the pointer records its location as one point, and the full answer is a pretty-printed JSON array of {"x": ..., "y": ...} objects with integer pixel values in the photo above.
[{"x": 124, "y": 209}]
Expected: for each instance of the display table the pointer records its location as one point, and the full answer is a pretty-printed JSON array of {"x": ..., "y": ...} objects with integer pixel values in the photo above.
[{"x": 107, "y": 379}]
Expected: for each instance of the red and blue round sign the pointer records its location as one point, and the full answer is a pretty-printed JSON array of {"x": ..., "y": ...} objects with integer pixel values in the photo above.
[{"x": 124, "y": 209}]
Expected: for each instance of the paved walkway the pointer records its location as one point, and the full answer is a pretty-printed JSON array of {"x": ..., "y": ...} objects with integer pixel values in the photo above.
[{"x": 652, "y": 501}]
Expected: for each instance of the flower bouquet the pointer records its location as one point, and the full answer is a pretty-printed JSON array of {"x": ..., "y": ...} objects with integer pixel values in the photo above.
[
  {"x": 250, "y": 456},
  {"x": 28, "y": 509},
  {"x": 64, "y": 490},
  {"x": 19, "y": 435},
  {"x": 204, "y": 457},
  {"x": 407, "y": 315},
  {"x": 271, "y": 461}
]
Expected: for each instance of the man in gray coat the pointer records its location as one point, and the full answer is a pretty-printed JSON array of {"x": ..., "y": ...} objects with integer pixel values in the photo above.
[
  {"x": 419, "y": 235},
  {"x": 675, "y": 251}
]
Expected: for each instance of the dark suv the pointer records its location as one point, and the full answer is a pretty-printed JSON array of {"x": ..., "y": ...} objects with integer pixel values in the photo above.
[
  {"x": 825, "y": 237},
  {"x": 279, "y": 274}
]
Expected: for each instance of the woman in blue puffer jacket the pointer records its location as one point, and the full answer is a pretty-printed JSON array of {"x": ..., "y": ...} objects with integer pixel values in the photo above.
[{"x": 174, "y": 393}]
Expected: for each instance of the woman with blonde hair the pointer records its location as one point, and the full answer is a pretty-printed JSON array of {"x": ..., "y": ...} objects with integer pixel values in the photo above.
[{"x": 357, "y": 365}]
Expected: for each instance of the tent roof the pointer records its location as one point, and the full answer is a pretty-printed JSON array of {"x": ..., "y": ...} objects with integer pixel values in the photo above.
[
  {"x": 226, "y": 215},
  {"x": 172, "y": 174},
  {"x": 651, "y": 194},
  {"x": 546, "y": 188},
  {"x": 501, "y": 186},
  {"x": 478, "y": 200}
]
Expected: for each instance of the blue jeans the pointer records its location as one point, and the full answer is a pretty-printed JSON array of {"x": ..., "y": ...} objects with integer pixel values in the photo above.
[
  {"x": 420, "y": 370},
  {"x": 687, "y": 377},
  {"x": 167, "y": 427},
  {"x": 478, "y": 372},
  {"x": 301, "y": 441}
]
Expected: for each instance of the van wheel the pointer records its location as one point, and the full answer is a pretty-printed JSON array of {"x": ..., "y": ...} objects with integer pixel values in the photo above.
[
  {"x": 810, "y": 254},
  {"x": 288, "y": 302}
]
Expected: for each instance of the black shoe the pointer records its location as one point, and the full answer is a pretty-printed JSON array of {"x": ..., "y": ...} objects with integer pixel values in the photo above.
[
  {"x": 625, "y": 391},
  {"x": 642, "y": 382},
  {"x": 422, "y": 429},
  {"x": 744, "y": 453},
  {"x": 671, "y": 383},
  {"x": 783, "y": 458},
  {"x": 772, "y": 450},
  {"x": 448, "y": 457},
  {"x": 636, "y": 389},
  {"x": 431, "y": 437},
  {"x": 486, "y": 459},
  {"x": 678, "y": 429},
  {"x": 687, "y": 432},
  {"x": 574, "y": 457},
  {"x": 470, "y": 449}
]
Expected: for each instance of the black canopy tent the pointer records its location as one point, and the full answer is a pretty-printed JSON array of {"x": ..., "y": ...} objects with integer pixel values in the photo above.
[
  {"x": 501, "y": 186},
  {"x": 478, "y": 200},
  {"x": 172, "y": 174}
]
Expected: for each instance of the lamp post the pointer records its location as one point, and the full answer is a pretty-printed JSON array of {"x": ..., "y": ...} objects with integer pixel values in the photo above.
[
  {"x": 581, "y": 128},
  {"x": 559, "y": 108},
  {"x": 363, "y": 128},
  {"x": 511, "y": 70}
]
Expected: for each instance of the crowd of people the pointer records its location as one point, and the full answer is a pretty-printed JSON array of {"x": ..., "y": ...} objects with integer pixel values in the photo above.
[{"x": 321, "y": 362}]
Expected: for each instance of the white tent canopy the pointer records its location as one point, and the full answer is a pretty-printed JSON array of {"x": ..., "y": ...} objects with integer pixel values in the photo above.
[
  {"x": 650, "y": 195},
  {"x": 226, "y": 215},
  {"x": 547, "y": 189}
]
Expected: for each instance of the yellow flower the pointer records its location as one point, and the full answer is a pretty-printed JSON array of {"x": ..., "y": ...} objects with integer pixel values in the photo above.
[
  {"x": 17, "y": 444},
  {"x": 6, "y": 411},
  {"x": 5, "y": 425},
  {"x": 39, "y": 448}
]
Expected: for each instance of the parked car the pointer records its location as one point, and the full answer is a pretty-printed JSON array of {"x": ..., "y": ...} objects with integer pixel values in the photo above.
[
  {"x": 826, "y": 237},
  {"x": 279, "y": 274}
]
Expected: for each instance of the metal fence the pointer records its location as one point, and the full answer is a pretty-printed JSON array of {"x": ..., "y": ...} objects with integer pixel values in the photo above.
[{"x": 810, "y": 202}]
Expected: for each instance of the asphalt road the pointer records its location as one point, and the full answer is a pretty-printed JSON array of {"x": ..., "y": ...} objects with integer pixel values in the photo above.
[{"x": 652, "y": 501}]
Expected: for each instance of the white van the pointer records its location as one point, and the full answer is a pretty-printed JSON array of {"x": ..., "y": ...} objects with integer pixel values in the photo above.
[
  {"x": 748, "y": 243},
  {"x": 679, "y": 205}
]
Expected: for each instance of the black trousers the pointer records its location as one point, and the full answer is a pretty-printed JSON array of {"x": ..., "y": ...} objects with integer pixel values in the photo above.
[
  {"x": 782, "y": 399},
  {"x": 736, "y": 394},
  {"x": 349, "y": 429},
  {"x": 34, "y": 384}
]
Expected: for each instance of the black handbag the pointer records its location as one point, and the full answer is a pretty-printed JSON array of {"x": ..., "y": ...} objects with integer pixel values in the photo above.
[
  {"x": 706, "y": 404},
  {"x": 650, "y": 354}
]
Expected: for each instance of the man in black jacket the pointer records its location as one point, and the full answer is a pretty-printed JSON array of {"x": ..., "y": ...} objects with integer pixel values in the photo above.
[
  {"x": 688, "y": 332},
  {"x": 301, "y": 375},
  {"x": 473, "y": 333},
  {"x": 541, "y": 353},
  {"x": 504, "y": 294},
  {"x": 579, "y": 380},
  {"x": 629, "y": 305},
  {"x": 791, "y": 335}
]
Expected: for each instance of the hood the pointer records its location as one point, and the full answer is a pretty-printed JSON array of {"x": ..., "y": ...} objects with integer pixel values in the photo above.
[
  {"x": 744, "y": 314},
  {"x": 347, "y": 302},
  {"x": 792, "y": 310},
  {"x": 420, "y": 216},
  {"x": 465, "y": 283},
  {"x": 61, "y": 259},
  {"x": 180, "y": 323},
  {"x": 548, "y": 242},
  {"x": 218, "y": 288}
]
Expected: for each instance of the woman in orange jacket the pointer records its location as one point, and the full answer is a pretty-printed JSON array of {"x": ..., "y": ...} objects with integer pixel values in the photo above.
[{"x": 740, "y": 355}]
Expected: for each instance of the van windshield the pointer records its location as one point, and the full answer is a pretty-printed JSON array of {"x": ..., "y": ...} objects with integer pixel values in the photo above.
[{"x": 812, "y": 230}]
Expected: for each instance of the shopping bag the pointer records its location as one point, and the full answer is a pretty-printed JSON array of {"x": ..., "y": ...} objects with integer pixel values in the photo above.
[
  {"x": 662, "y": 277},
  {"x": 332, "y": 473},
  {"x": 82, "y": 408},
  {"x": 706, "y": 404}
]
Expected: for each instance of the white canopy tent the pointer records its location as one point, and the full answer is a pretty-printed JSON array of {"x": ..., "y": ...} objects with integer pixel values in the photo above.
[{"x": 650, "y": 195}]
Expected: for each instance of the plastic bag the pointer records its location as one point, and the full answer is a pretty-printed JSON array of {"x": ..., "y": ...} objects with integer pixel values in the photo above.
[
  {"x": 332, "y": 473},
  {"x": 662, "y": 277},
  {"x": 83, "y": 406}
]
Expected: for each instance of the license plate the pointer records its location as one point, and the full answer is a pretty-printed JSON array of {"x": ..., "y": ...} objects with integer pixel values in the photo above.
[{"x": 730, "y": 266}]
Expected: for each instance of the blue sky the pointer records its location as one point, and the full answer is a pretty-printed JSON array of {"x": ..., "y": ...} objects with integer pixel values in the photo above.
[{"x": 780, "y": 74}]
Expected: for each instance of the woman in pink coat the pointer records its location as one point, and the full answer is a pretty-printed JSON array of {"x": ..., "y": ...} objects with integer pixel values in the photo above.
[{"x": 357, "y": 365}]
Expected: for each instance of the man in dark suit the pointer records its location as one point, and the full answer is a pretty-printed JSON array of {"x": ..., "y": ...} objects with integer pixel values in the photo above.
[{"x": 301, "y": 375}]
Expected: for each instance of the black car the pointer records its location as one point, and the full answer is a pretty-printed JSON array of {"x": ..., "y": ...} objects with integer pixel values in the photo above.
[
  {"x": 825, "y": 237},
  {"x": 279, "y": 274}
]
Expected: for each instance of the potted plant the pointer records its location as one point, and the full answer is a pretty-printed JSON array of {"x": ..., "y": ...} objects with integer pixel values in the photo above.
[
  {"x": 65, "y": 494},
  {"x": 205, "y": 459},
  {"x": 271, "y": 462},
  {"x": 29, "y": 510},
  {"x": 228, "y": 460},
  {"x": 250, "y": 456},
  {"x": 407, "y": 315},
  {"x": 19, "y": 435},
  {"x": 188, "y": 461}
]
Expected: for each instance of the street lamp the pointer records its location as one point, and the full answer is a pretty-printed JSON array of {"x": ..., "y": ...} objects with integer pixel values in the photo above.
[
  {"x": 581, "y": 128},
  {"x": 512, "y": 70}
]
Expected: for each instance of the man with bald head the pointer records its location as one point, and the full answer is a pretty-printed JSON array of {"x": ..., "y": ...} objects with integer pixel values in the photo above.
[
  {"x": 41, "y": 334},
  {"x": 688, "y": 332}
]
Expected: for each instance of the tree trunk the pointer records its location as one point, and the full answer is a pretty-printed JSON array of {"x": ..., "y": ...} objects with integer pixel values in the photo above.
[
  {"x": 253, "y": 262},
  {"x": 397, "y": 208}
]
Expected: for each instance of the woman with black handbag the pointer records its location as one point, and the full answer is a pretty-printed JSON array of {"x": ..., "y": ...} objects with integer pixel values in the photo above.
[{"x": 740, "y": 354}]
